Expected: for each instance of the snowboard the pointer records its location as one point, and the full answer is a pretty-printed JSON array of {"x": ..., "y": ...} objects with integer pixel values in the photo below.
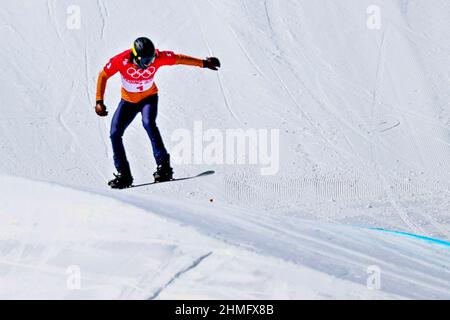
[{"x": 203, "y": 174}]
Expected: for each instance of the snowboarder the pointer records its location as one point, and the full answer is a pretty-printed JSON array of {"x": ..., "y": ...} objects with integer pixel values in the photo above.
[{"x": 138, "y": 67}]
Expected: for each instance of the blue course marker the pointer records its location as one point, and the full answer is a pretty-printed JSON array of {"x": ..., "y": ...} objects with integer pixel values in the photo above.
[{"x": 428, "y": 239}]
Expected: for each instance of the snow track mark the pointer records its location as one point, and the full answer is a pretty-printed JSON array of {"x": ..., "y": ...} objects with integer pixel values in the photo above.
[
  {"x": 194, "y": 264},
  {"x": 219, "y": 78},
  {"x": 104, "y": 16}
]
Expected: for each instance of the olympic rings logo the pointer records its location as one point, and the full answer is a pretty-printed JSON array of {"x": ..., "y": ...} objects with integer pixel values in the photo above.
[{"x": 136, "y": 74}]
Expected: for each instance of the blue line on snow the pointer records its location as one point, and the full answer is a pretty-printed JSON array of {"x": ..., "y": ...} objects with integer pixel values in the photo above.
[{"x": 428, "y": 239}]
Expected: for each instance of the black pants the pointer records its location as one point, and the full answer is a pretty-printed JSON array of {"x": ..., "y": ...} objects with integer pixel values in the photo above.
[{"x": 124, "y": 115}]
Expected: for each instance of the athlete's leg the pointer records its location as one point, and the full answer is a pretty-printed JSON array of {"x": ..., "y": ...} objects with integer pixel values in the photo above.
[
  {"x": 149, "y": 113},
  {"x": 122, "y": 118}
]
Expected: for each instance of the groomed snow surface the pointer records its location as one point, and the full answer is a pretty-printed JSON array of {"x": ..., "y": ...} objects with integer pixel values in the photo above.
[{"x": 363, "y": 116}]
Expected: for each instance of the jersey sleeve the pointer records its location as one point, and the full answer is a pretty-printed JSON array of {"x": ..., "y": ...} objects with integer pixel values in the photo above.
[
  {"x": 169, "y": 58},
  {"x": 101, "y": 86},
  {"x": 188, "y": 60},
  {"x": 166, "y": 58},
  {"x": 108, "y": 71},
  {"x": 112, "y": 67}
]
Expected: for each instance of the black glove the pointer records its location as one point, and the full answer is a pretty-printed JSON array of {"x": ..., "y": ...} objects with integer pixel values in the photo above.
[
  {"x": 100, "y": 109},
  {"x": 211, "y": 63}
]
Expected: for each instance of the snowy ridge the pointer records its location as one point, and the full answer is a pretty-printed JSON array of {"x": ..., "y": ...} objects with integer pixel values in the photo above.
[{"x": 145, "y": 256}]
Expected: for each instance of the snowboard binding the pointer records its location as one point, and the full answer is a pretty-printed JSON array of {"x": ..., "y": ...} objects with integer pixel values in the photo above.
[
  {"x": 163, "y": 173},
  {"x": 121, "y": 181}
]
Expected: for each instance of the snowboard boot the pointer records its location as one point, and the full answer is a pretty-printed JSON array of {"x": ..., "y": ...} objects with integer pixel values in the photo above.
[
  {"x": 122, "y": 180},
  {"x": 163, "y": 172}
]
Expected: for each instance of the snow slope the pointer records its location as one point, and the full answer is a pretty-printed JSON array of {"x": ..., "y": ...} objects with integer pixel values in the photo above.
[
  {"x": 144, "y": 256},
  {"x": 363, "y": 118}
]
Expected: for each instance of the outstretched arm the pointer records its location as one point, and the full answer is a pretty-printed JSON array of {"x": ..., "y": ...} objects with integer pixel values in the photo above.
[
  {"x": 188, "y": 60},
  {"x": 211, "y": 63}
]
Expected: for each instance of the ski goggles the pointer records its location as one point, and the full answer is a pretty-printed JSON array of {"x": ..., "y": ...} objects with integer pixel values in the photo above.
[
  {"x": 146, "y": 61},
  {"x": 143, "y": 62}
]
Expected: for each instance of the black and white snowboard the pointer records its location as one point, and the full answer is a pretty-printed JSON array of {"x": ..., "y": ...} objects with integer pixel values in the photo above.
[{"x": 203, "y": 174}]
